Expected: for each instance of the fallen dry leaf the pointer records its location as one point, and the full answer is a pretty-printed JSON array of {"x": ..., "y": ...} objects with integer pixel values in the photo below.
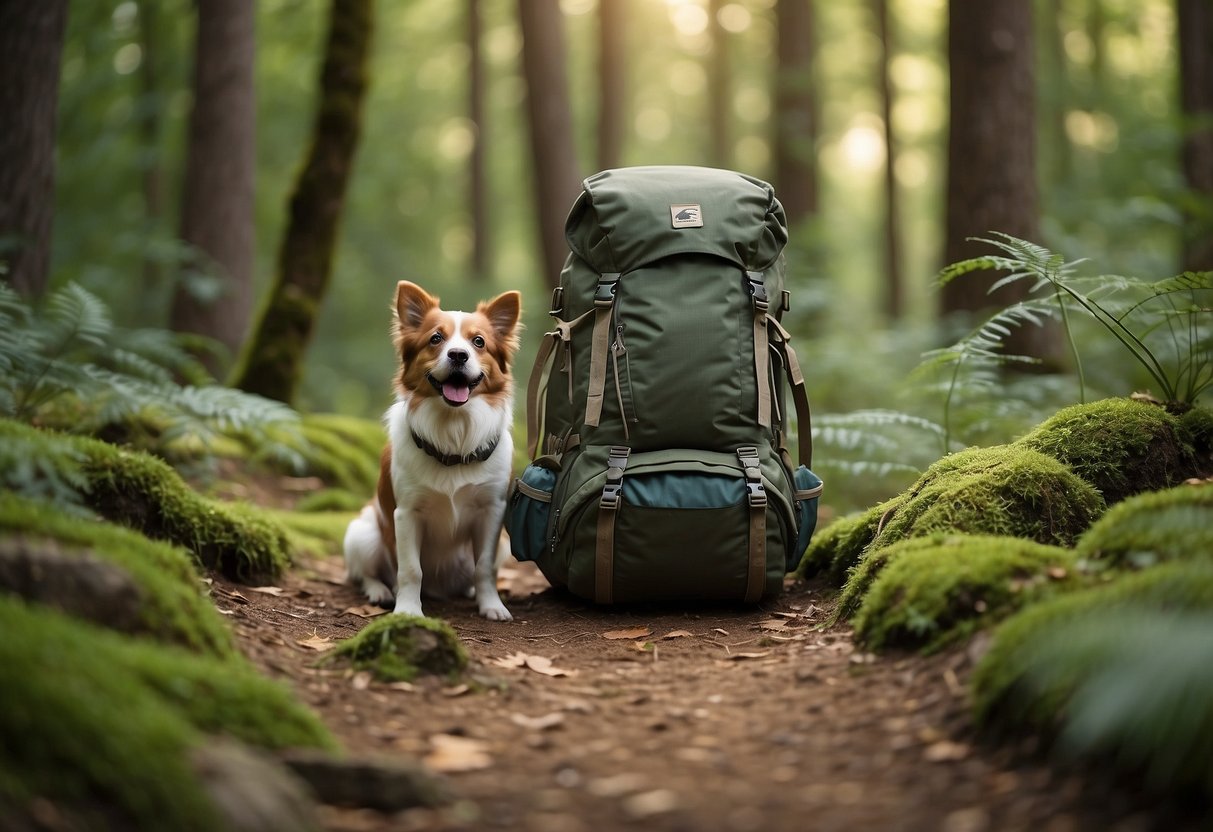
[
  {"x": 450, "y": 754},
  {"x": 945, "y": 751},
  {"x": 458, "y": 690},
  {"x": 720, "y": 630},
  {"x": 538, "y": 723},
  {"x": 407, "y": 687},
  {"x": 317, "y": 643},
  {"x": 365, "y": 611},
  {"x": 633, "y": 632},
  {"x": 361, "y": 680},
  {"x": 643, "y": 646},
  {"x": 539, "y": 664},
  {"x": 677, "y": 634},
  {"x": 755, "y": 655},
  {"x": 276, "y": 591},
  {"x": 773, "y": 624}
]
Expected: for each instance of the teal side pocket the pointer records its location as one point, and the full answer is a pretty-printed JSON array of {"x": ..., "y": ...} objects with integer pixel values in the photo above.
[
  {"x": 808, "y": 491},
  {"x": 526, "y": 519}
]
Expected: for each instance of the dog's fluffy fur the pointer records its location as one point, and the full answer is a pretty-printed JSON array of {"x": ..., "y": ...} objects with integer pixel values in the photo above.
[{"x": 432, "y": 526}]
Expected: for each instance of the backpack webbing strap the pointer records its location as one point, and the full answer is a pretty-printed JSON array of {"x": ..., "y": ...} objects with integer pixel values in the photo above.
[
  {"x": 758, "y": 291},
  {"x": 757, "y": 495},
  {"x": 604, "y": 304},
  {"x": 608, "y": 506},
  {"x": 535, "y": 387},
  {"x": 800, "y": 396}
]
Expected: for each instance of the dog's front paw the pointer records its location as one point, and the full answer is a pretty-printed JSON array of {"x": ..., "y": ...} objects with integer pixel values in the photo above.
[
  {"x": 377, "y": 592},
  {"x": 495, "y": 611},
  {"x": 408, "y": 608}
]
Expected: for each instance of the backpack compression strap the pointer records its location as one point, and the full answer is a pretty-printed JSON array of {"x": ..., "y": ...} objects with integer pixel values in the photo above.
[
  {"x": 758, "y": 291},
  {"x": 536, "y": 388},
  {"x": 800, "y": 396},
  {"x": 757, "y": 496},
  {"x": 608, "y": 507},
  {"x": 604, "y": 304}
]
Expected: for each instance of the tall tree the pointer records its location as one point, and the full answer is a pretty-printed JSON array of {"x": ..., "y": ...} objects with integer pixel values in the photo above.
[
  {"x": 720, "y": 96},
  {"x": 478, "y": 178},
  {"x": 273, "y": 362},
  {"x": 545, "y": 66},
  {"x": 612, "y": 81},
  {"x": 220, "y": 171},
  {"x": 991, "y": 138},
  {"x": 31, "y": 41},
  {"x": 149, "y": 122},
  {"x": 795, "y": 110},
  {"x": 894, "y": 294},
  {"x": 1195, "y": 31}
]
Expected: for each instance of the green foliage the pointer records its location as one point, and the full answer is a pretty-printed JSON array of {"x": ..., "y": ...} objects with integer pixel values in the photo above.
[
  {"x": 1176, "y": 524},
  {"x": 1004, "y": 491},
  {"x": 331, "y": 499},
  {"x": 835, "y": 550},
  {"x": 313, "y": 532},
  {"x": 343, "y": 451},
  {"x": 1166, "y": 325},
  {"x": 1120, "y": 674},
  {"x": 172, "y": 605},
  {"x": 137, "y": 490},
  {"x": 104, "y": 726},
  {"x": 932, "y": 593},
  {"x": 398, "y": 647},
  {"x": 1120, "y": 446}
]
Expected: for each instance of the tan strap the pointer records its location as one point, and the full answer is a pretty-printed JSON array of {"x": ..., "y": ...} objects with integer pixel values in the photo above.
[
  {"x": 800, "y": 395},
  {"x": 756, "y": 572},
  {"x": 762, "y": 371},
  {"x": 604, "y": 306},
  {"x": 546, "y": 347},
  {"x": 608, "y": 508}
]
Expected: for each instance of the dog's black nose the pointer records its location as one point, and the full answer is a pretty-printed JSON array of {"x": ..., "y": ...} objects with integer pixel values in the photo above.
[{"x": 457, "y": 356}]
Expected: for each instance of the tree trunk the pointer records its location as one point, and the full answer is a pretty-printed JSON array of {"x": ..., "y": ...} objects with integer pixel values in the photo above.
[
  {"x": 894, "y": 296},
  {"x": 274, "y": 361},
  {"x": 1196, "y": 103},
  {"x": 720, "y": 95},
  {"x": 795, "y": 111},
  {"x": 550, "y": 119},
  {"x": 31, "y": 41},
  {"x": 220, "y": 169},
  {"x": 612, "y": 81},
  {"x": 149, "y": 124},
  {"x": 478, "y": 187}
]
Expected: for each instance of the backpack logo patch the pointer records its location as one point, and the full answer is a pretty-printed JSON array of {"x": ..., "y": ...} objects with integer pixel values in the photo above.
[{"x": 686, "y": 216}]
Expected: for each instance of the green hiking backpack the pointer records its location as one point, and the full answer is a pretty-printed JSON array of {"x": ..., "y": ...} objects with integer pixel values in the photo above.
[{"x": 656, "y": 411}]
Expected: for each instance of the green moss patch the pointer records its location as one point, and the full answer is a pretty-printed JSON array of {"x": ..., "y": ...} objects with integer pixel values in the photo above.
[
  {"x": 397, "y": 648},
  {"x": 836, "y": 549},
  {"x": 1198, "y": 423},
  {"x": 313, "y": 533},
  {"x": 1121, "y": 673},
  {"x": 1120, "y": 446},
  {"x": 172, "y": 606},
  {"x": 1005, "y": 491},
  {"x": 137, "y": 490},
  {"x": 103, "y": 726},
  {"x": 1176, "y": 524},
  {"x": 343, "y": 451},
  {"x": 870, "y": 566},
  {"x": 333, "y": 499},
  {"x": 927, "y": 594}
]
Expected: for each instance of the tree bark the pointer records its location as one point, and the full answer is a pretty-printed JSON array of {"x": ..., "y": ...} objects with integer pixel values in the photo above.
[
  {"x": 719, "y": 90},
  {"x": 544, "y": 65},
  {"x": 220, "y": 170},
  {"x": 795, "y": 111},
  {"x": 274, "y": 361},
  {"x": 894, "y": 281},
  {"x": 612, "y": 81},
  {"x": 31, "y": 41},
  {"x": 478, "y": 185},
  {"x": 1195, "y": 33}
]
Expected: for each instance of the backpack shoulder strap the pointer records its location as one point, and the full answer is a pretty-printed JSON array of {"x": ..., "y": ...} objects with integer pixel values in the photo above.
[{"x": 800, "y": 396}]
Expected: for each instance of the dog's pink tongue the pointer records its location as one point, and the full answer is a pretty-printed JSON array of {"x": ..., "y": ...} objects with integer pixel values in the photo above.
[{"x": 451, "y": 393}]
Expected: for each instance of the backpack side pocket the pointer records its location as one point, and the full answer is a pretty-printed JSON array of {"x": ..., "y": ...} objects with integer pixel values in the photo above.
[
  {"x": 808, "y": 488},
  {"x": 526, "y": 519}
]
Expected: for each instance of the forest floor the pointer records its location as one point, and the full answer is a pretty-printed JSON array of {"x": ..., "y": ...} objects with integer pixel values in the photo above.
[{"x": 665, "y": 718}]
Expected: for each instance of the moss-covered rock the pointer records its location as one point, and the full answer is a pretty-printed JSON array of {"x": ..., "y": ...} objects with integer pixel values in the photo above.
[
  {"x": 929, "y": 593},
  {"x": 399, "y": 647},
  {"x": 141, "y": 492},
  {"x": 1121, "y": 671},
  {"x": 332, "y": 499},
  {"x": 1175, "y": 524},
  {"x": 343, "y": 451},
  {"x": 171, "y": 605},
  {"x": 105, "y": 727},
  {"x": 1198, "y": 423},
  {"x": 836, "y": 549},
  {"x": 1005, "y": 491},
  {"x": 870, "y": 566},
  {"x": 1121, "y": 446},
  {"x": 313, "y": 533}
]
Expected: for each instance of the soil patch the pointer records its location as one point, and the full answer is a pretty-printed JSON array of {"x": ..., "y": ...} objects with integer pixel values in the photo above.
[{"x": 573, "y": 718}]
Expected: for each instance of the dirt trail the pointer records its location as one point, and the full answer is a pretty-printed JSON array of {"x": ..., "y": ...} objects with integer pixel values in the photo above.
[{"x": 717, "y": 718}]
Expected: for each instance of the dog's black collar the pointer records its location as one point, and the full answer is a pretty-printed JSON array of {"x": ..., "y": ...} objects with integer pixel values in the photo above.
[{"x": 479, "y": 455}]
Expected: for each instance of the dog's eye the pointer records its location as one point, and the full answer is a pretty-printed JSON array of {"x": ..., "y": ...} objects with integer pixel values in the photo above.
[
  {"x": 478, "y": 342},
  {"x": 436, "y": 338}
]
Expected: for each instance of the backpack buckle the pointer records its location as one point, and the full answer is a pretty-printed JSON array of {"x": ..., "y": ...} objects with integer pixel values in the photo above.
[
  {"x": 604, "y": 295},
  {"x": 751, "y": 463},
  {"x": 758, "y": 290},
  {"x": 617, "y": 461}
]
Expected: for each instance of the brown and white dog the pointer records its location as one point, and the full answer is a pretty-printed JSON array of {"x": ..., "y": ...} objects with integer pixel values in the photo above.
[{"x": 436, "y": 522}]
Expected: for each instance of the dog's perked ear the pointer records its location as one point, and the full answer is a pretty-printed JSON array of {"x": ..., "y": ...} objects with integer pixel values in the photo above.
[
  {"x": 412, "y": 304},
  {"x": 503, "y": 312}
]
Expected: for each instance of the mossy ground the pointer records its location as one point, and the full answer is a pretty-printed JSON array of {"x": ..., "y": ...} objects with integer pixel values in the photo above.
[
  {"x": 173, "y": 607},
  {"x": 343, "y": 451},
  {"x": 399, "y": 647},
  {"x": 1120, "y": 446},
  {"x": 1175, "y": 524},
  {"x": 930, "y": 593},
  {"x": 1005, "y": 491},
  {"x": 836, "y": 550},
  {"x": 1122, "y": 671},
  {"x": 313, "y": 533},
  {"x": 102, "y": 726}
]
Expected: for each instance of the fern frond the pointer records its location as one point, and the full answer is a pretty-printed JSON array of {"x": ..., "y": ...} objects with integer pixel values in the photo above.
[{"x": 74, "y": 314}]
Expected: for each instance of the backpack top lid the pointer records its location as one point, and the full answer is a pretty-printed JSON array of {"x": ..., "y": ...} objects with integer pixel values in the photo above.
[{"x": 629, "y": 217}]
